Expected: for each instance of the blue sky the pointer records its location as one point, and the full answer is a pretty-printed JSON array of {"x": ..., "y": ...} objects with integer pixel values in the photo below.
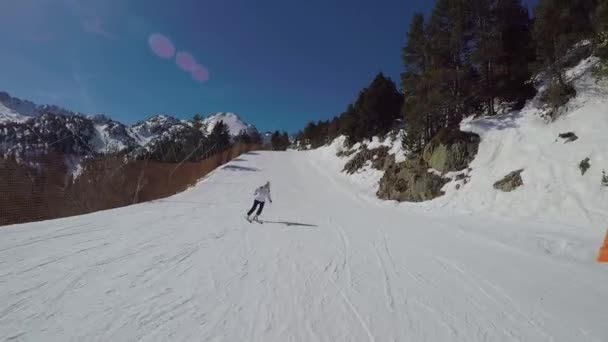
[{"x": 277, "y": 63}]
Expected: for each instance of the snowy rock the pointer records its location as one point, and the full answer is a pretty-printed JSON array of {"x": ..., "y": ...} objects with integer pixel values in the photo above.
[
  {"x": 584, "y": 166},
  {"x": 510, "y": 182},
  {"x": 568, "y": 137}
]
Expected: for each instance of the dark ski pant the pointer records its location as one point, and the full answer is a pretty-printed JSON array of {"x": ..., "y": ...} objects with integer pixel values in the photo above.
[{"x": 256, "y": 203}]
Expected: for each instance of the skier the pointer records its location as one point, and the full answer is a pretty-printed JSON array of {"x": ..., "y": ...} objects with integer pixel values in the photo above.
[{"x": 260, "y": 196}]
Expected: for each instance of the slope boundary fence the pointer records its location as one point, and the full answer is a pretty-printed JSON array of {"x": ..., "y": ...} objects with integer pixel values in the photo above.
[{"x": 55, "y": 185}]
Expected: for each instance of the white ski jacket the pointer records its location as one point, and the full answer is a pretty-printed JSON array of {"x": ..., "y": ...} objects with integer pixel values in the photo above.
[{"x": 262, "y": 193}]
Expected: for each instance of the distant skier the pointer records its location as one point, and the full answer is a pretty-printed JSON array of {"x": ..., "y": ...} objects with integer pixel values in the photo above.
[{"x": 260, "y": 196}]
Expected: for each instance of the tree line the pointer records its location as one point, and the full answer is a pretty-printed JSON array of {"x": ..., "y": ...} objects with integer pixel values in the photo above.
[
  {"x": 279, "y": 141},
  {"x": 468, "y": 57},
  {"x": 192, "y": 143}
]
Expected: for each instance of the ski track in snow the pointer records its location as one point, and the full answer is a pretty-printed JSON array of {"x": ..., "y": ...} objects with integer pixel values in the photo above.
[{"x": 189, "y": 267}]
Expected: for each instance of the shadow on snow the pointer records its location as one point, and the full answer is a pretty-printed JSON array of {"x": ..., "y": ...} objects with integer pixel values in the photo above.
[
  {"x": 290, "y": 224},
  {"x": 239, "y": 168}
]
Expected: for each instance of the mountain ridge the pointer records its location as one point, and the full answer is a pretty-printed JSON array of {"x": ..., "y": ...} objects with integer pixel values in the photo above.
[{"x": 26, "y": 127}]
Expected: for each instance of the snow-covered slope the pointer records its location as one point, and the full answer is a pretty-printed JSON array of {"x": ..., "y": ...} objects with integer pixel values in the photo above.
[
  {"x": 554, "y": 189},
  {"x": 330, "y": 264},
  {"x": 235, "y": 124}
]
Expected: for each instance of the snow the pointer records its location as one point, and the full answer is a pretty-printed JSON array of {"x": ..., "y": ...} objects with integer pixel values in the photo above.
[
  {"x": 74, "y": 165},
  {"x": 341, "y": 266},
  {"x": 7, "y": 114},
  {"x": 234, "y": 123}
]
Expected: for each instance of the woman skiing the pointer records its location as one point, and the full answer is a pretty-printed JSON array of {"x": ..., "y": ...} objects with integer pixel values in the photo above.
[{"x": 260, "y": 196}]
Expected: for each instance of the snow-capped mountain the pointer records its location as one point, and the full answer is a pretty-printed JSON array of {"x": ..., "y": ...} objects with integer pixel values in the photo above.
[
  {"x": 233, "y": 121},
  {"x": 29, "y": 129},
  {"x": 14, "y": 109},
  {"x": 48, "y": 133},
  {"x": 10, "y": 115}
]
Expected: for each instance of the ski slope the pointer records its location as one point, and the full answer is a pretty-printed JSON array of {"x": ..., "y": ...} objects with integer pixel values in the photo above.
[{"x": 331, "y": 265}]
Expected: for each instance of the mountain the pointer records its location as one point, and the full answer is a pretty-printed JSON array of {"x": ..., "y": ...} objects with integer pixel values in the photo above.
[
  {"x": 29, "y": 129},
  {"x": 14, "y": 109},
  {"x": 234, "y": 122}
]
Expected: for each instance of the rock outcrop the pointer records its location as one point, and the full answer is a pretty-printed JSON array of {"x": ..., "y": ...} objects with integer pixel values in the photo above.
[
  {"x": 451, "y": 150},
  {"x": 377, "y": 156},
  {"x": 410, "y": 181}
]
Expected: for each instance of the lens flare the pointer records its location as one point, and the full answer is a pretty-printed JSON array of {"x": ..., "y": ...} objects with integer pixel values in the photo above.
[
  {"x": 200, "y": 73},
  {"x": 161, "y": 46},
  {"x": 185, "y": 61}
]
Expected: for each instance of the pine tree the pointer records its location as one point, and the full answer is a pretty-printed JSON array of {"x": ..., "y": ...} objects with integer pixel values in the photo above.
[
  {"x": 376, "y": 109},
  {"x": 197, "y": 122},
  {"x": 559, "y": 25},
  {"x": 274, "y": 141},
  {"x": 243, "y": 138},
  {"x": 256, "y": 138},
  {"x": 348, "y": 125},
  {"x": 415, "y": 108},
  {"x": 601, "y": 17},
  {"x": 220, "y": 136},
  {"x": 452, "y": 76},
  {"x": 285, "y": 141},
  {"x": 601, "y": 27},
  {"x": 279, "y": 141},
  {"x": 503, "y": 52}
]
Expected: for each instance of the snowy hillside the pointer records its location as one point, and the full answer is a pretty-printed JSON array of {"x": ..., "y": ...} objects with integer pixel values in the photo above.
[
  {"x": 554, "y": 189},
  {"x": 234, "y": 122},
  {"x": 329, "y": 264}
]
